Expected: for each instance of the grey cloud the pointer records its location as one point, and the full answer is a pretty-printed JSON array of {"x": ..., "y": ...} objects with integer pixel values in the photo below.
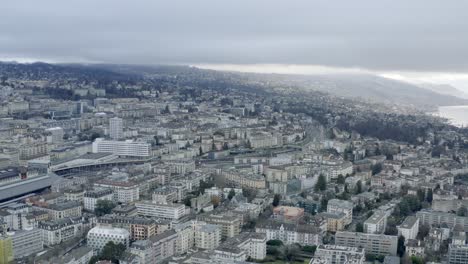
[{"x": 417, "y": 35}]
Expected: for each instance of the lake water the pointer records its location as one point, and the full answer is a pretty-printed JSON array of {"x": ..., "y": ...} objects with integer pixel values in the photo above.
[{"x": 457, "y": 115}]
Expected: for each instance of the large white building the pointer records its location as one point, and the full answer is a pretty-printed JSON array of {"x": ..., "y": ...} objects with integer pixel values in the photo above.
[
  {"x": 409, "y": 228},
  {"x": 127, "y": 148},
  {"x": 376, "y": 223},
  {"x": 116, "y": 128},
  {"x": 99, "y": 236},
  {"x": 165, "y": 211}
]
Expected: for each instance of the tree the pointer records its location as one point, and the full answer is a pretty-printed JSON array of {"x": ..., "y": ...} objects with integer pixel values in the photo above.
[
  {"x": 391, "y": 228},
  {"x": 376, "y": 169},
  {"x": 359, "y": 187},
  {"x": 429, "y": 196},
  {"x": 225, "y": 146},
  {"x": 340, "y": 179},
  {"x": 274, "y": 242},
  {"x": 359, "y": 227},
  {"x": 321, "y": 184},
  {"x": 167, "y": 110},
  {"x": 276, "y": 200},
  {"x": 462, "y": 211},
  {"x": 231, "y": 194},
  {"x": 112, "y": 251},
  {"x": 417, "y": 260},
  {"x": 401, "y": 246},
  {"x": 421, "y": 194},
  {"x": 309, "y": 249},
  {"x": 188, "y": 201},
  {"x": 103, "y": 207},
  {"x": 423, "y": 231},
  {"x": 215, "y": 201},
  {"x": 93, "y": 260}
]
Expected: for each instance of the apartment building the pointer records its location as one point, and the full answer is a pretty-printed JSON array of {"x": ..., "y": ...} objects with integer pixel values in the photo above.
[
  {"x": 341, "y": 206},
  {"x": 58, "y": 231},
  {"x": 230, "y": 225},
  {"x": 116, "y": 128},
  {"x": 338, "y": 255},
  {"x": 124, "y": 192},
  {"x": 63, "y": 210},
  {"x": 163, "y": 245},
  {"x": 242, "y": 247},
  {"x": 26, "y": 242},
  {"x": 290, "y": 233},
  {"x": 140, "y": 228},
  {"x": 436, "y": 218},
  {"x": 207, "y": 236},
  {"x": 377, "y": 244},
  {"x": 166, "y": 211},
  {"x": 458, "y": 254},
  {"x": 376, "y": 223},
  {"x": 92, "y": 197},
  {"x": 409, "y": 228}
]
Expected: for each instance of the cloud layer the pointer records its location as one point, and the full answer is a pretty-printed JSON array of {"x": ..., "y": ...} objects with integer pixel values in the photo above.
[{"x": 397, "y": 35}]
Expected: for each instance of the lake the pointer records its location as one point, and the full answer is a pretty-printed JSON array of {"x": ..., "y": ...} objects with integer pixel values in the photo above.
[{"x": 457, "y": 115}]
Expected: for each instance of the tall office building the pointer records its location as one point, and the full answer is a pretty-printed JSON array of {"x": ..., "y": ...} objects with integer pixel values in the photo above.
[{"x": 116, "y": 128}]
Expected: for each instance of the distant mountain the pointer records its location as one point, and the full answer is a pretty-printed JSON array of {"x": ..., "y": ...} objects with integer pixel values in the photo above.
[
  {"x": 446, "y": 89},
  {"x": 105, "y": 76},
  {"x": 370, "y": 87}
]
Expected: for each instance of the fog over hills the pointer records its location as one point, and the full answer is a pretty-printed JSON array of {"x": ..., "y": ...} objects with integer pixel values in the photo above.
[
  {"x": 372, "y": 87},
  {"x": 446, "y": 89},
  {"x": 363, "y": 86}
]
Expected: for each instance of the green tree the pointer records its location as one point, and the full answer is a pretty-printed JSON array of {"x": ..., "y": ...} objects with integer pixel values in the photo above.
[
  {"x": 359, "y": 227},
  {"x": 309, "y": 249},
  {"x": 423, "y": 231},
  {"x": 276, "y": 200},
  {"x": 93, "y": 259},
  {"x": 429, "y": 196},
  {"x": 462, "y": 211},
  {"x": 359, "y": 187},
  {"x": 401, "y": 246},
  {"x": 377, "y": 168},
  {"x": 321, "y": 184},
  {"x": 225, "y": 146},
  {"x": 112, "y": 251},
  {"x": 341, "y": 179},
  {"x": 167, "y": 110},
  {"x": 231, "y": 194},
  {"x": 103, "y": 207},
  {"x": 417, "y": 260},
  {"x": 421, "y": 194},
  {"x": 274, "y": 242}
]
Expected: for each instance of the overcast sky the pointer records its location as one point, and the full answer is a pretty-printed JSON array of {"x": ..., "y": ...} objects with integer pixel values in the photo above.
[{"x": 405, "y": 38}]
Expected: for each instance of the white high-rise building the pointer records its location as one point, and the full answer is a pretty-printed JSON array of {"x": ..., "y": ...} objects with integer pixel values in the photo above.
[{"x": 116, "y": 128}]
